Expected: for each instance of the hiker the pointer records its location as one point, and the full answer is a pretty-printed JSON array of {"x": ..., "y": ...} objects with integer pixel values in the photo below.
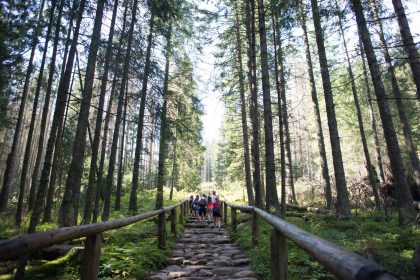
[
  {"x": 202, "y": 204},
  {"x": 217, "y": 209},
  {"x": 213, "y": 196},
  {"x": 196, "y": 208},
  {"x": 210, "y": 209},
  {"x": 191, "y": 204}
]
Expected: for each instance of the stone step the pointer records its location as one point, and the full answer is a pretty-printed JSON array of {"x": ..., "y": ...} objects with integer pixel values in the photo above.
[{"x": 205, "y": 253}]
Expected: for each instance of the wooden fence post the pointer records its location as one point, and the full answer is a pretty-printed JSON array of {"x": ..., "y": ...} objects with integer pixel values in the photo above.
[
  {"x": 225, "y": 209},
  {"x": 254, "y": 229},
  {"x": 173, "y": 221},
  {"x": 181, "y": 214},
  {"x": 161, "y": 231},
  {"x": 233, "y": 218},
  {"x": 187, "y": 209},
  {"x": 278, "y": 255},
  {"x": 92, "y": 256}
]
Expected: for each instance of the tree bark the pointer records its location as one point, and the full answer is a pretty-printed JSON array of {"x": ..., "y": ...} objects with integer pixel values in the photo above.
[
  {"x": 173, "y": 177},
  {"x": 369, "y": 167},
  {"x": 411, "y": 149},
  {"x": 279, "y": 88},
  {"x": 403, "y": 195},
  {"x": 314, "y": 96},
  {"x": 112, "y": 157},
  {"x": 30, "y": 137},
  {"x": 164, "y": 125},
  {"x": 409, "y": 45},
  {"x": 378, "y": 155},
  {"x": 117, "y": 205},
  {"x": 272, "y": 200},
  {"x": 284, "y": 113},
  {"x": 93, "y": 175},
  {"x": 343, "y": 204},
  {"x": 248, "y": 180},
  {"x": 70, "y": 205},
  {"x": 139, "y": 138},
  {"x": 13, "y": 157},
  {"x": 253, "y": 104},
  {"x": 57, "y": 121}
]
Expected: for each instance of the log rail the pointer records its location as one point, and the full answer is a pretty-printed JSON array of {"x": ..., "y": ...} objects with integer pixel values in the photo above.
[
  {"x": 340, "y": 262},
  {"x": 18, "y": 246}
]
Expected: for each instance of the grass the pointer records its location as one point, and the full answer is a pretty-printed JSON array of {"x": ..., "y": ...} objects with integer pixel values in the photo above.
[{"x": 384, "y": 242}]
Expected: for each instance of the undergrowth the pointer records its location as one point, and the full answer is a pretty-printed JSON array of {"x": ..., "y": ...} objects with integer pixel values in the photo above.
[
  {"x": 384, "y": 242},
  {"x": 127, "y": 253}
]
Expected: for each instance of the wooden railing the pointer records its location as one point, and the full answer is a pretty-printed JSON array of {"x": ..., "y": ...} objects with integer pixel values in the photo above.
[
  {"x": 342, "y": 263},
  {"x": 18, "y": 246}
]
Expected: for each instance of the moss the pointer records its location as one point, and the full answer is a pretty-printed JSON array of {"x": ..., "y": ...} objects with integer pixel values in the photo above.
[{"x": 385, "y": 242}]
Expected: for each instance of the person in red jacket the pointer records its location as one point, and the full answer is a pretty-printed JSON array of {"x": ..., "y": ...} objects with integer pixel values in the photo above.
[{"x": 217, "y": 209}]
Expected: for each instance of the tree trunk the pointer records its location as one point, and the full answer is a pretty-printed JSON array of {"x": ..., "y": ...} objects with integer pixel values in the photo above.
[
  {"x": 272, "y": 200},
  {"x": 171, "y": 193},
  {"x": 93, "y": 175},
  {"x": 248, "y": 180},
  {"x": 320, "y": 134},
  {"x": 279, "y": 88},
  {"x": 31, "y": 138},
  {"x": 411, "y": 149},
  {"x": 369, "y": 167},
  {"x": 13, "y": 157},
  {"x": 45, "y": 110},
  {"x": 378, "y": 155},
  {"x": 70, "y": 205},
  {"x": 152, "y": 134},
  {"x": 343, "y": 204},
  {"x": 109, "y": 109},
  {"x": 57, "y": 121},
  {"x": 284, "y": 113},
  {"x": 403, "y": 195},
  {"x": 409, "y": 45},
  {"x": 57, "y": 161},
  {"x": 112, "y": 157},
  {"x": 139, "y": 138},
  {"x": 117, "y": 205},
  {"x": 253, "y": 104},
  {"x": 164, "y": 125}
]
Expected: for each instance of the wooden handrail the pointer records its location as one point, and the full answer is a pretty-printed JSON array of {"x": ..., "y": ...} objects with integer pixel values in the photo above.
[
  {"x": 343, "y": 263},
  {"x": 21, "y": 245}
]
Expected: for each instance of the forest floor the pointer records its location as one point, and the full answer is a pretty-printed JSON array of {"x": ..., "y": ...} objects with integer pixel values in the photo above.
[
  {"x": 383, "y": 242},
  {"x": 131, "y": 252},
  {"x": 127, "y": 253}
]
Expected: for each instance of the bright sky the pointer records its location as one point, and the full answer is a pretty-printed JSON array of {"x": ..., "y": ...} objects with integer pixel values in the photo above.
[{"x": 211, "y": 98}]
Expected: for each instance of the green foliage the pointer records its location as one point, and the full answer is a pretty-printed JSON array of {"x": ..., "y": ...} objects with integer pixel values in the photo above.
[
  {"x": 132, "y": 252},
  {"x": 384, "y": 242}
]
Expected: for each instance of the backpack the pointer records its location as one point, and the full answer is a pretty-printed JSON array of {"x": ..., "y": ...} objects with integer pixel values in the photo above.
[
  {"x": 202, "y": 203},
  {"x": 217, "y": 208}
]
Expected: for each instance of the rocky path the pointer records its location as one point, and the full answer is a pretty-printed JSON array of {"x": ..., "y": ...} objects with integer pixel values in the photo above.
[{"x": 205, "y": 252}]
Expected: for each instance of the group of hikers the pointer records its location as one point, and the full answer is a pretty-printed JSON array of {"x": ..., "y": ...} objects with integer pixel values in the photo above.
[{"x": 206, "y": 206}]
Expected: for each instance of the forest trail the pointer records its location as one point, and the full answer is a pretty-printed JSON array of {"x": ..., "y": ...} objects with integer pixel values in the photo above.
[{"x": 205, "y": 252}]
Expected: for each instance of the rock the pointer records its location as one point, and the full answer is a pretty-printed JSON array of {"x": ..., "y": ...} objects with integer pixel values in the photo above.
[
  {"x": 180, "y": 273},
  {"x": 225, "y": 258},
  {"x": 224, "y": 271},
  {"x": 244, "y": 273},
  {"x": 160, "y": 276},
  {"x": 205, "y": 253},
  {"x": 239, "y": 262},
  {"x": 205, "y": 273},
  {"x": 172, "y": 268}
]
